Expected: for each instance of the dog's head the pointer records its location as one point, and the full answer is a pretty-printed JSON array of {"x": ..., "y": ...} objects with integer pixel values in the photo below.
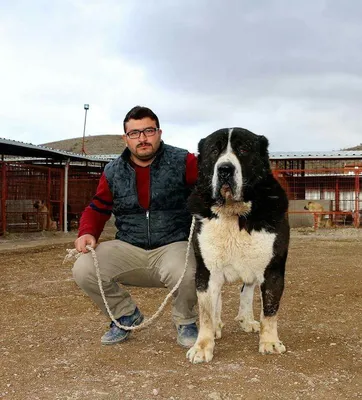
[
  {"x": 231, "y": 161},
  {"x": 306, "y": 207},
  {"x": 313, "y": 206},
  {"x": 39, "y": 204}
]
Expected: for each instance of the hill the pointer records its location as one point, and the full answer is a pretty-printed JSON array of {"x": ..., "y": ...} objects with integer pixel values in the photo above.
[
  {"x": 99, "y": 144},
  {"x": 358, "y": 148},
  {"x": 107, "y": 144}
]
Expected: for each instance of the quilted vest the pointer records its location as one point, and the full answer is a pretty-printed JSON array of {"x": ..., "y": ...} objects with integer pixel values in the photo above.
[{"x": 167, "y": 219}]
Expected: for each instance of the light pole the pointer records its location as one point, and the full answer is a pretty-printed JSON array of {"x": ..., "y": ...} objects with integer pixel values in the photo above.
[{"x": 86, "y": 108}]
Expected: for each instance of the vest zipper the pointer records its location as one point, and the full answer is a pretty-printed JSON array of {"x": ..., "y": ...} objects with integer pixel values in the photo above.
[
  {"x": 148, "y": 228},
  {"x": 148, "y": 211}
]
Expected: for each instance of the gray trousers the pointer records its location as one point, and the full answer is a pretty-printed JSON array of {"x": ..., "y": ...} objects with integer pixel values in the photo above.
[{"x": 120, "y": 262}]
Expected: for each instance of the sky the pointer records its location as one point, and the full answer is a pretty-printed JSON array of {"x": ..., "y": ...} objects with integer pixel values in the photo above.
[{"x": 287, "y": 69}]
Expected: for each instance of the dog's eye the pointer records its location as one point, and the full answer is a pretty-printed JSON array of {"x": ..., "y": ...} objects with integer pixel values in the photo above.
[{"x": 215, "y": 151}]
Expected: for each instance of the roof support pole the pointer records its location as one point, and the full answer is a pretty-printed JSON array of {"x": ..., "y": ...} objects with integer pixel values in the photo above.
[
  {"x": 66, "y": 171},
  {"x": 357, "y": 191},
  {"x": 48, "y": 199},
  {"x": 4, "y": 192}
]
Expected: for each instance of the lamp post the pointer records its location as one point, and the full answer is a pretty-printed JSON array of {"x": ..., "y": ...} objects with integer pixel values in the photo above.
[{"x": 86, "y": 108}]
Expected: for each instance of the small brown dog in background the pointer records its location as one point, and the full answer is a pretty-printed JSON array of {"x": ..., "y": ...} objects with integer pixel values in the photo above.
[
  {"x": 321, "y": 220},
  {"x": 43, "y": 218}
]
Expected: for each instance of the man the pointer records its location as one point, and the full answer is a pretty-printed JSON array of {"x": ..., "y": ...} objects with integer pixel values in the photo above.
[{"x": 146, "y": 189}]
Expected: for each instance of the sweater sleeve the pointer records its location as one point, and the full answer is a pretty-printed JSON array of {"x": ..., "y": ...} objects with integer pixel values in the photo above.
[
  {"x": 191, "y": 169},
  {"x": 98, "y": 212}
]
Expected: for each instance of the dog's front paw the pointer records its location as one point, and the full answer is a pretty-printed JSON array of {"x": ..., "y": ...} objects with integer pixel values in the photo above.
[
  {"x": 271, "y": 348},
  {"x": 248, "y": 325},
  {"x": 201, "y": 352},
  {"x": 218, "y": 330}
]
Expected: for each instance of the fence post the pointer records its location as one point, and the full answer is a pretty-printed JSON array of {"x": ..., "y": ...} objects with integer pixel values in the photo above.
[
  {"x": 356, "y": 219},
  {"x": 48, "y": 202},
  {"x": 4, "y": 196},
  {"x": 66, "y": 174},
  {"x": 336, "y": 200}
]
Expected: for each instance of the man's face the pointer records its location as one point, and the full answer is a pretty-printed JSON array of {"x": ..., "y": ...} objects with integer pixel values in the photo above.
[{"x": 144, "y": 147}]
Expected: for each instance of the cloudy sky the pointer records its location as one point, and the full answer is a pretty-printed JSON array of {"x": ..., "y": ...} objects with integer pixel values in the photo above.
[{"x": 288, "y": 69}]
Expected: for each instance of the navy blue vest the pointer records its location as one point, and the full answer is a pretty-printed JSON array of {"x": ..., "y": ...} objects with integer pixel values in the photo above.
[{"x": 167, "y": 219}]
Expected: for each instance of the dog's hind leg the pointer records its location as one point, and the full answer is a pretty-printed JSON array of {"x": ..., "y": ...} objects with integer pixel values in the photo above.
[
  {"x": 246, "y": 313},
  {"x": 218, "y": 323},
  {"x": 271, "y": 293},
  {"x": 203, "y": 349}
]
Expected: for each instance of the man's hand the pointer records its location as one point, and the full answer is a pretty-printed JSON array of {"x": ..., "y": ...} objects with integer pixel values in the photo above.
[{"x": 83, "y": 241}]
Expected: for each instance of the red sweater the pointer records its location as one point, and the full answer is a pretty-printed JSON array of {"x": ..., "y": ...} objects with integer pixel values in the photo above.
[{"x": 99, "y": 210}]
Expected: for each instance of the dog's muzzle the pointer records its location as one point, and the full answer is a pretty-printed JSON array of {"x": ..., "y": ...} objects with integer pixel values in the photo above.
[{"x": 226, "y": 181}]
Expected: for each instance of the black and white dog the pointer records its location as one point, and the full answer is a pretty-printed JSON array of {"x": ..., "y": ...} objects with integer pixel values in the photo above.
[{"x": 242, "y": 233}]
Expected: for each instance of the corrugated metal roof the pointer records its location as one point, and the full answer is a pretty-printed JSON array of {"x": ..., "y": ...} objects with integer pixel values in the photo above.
[
  {"x": 108, "y": 157},
  {"x": 275, "y": 155},
  {"x": 14, "y": 148}
]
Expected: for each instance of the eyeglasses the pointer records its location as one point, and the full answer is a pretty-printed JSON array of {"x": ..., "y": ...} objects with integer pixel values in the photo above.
[{"x": 148, "y": 132}]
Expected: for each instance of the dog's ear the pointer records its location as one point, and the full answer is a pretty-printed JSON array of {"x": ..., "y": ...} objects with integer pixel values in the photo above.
[
  {"x": 263, "y": 148},
  {"x": 201, "y": 145},
  {"x": 263, "y": 145},
  {"x": 200, "y": 148}
]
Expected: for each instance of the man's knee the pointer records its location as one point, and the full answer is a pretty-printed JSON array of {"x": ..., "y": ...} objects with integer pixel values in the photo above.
[
  {"x": 187, "y": 286},
  {"x": 83, "y": 269}
]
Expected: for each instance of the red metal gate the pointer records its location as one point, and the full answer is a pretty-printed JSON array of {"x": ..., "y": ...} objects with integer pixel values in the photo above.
[
  {"x": 336, "y": 190},
  {"x": 22, "y": 186}
]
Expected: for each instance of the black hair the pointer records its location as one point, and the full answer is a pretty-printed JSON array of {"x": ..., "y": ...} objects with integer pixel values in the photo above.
[{"x": 139, "y": 112}]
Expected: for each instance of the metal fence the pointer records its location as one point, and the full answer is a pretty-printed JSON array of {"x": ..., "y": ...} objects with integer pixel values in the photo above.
[
  {"x": 331, "y": 196},
  {"x": 32, "y": 197},
  {"x": 82, "y": 186},
  {"x": 319, "y": 196}
]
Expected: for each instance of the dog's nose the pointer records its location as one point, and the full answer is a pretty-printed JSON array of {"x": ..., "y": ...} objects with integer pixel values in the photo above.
[{"x": 225, "y": 170}]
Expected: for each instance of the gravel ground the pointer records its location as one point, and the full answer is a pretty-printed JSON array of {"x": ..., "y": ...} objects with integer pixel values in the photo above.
[{"x": 50, "y": 332}]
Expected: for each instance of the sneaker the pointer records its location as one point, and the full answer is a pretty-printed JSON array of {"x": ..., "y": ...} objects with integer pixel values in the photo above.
[
  {"x": 187, "y": 335},
  {"x": 117, "y": 335}
]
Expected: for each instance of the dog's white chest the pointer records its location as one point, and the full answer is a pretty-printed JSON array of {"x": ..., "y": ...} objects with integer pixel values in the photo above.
[{"x": 237, "y": 254}]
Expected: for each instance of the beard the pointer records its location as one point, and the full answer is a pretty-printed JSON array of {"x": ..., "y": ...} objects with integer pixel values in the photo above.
[
  {"x": 144, "y": 152},
  {"x": 145, "y": 157}
]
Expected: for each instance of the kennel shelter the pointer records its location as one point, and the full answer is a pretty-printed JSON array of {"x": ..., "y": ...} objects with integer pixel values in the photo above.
[
  {"x": 331, "y": 179},
  {"x": 64, "y": 182}
]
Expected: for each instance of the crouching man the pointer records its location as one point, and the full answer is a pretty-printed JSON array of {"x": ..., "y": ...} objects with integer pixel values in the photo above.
[{"x": 146, "y": 189}]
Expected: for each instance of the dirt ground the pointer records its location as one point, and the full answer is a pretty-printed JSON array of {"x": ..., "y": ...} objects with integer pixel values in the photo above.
[{"x": 50, "y": 333}]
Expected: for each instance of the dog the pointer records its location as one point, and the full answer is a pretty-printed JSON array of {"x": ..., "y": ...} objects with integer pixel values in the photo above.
[
  {"x": 43, "y": 218},
  {"x": 314, "y": 206},
  {"x": 241, "y": 233}
]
